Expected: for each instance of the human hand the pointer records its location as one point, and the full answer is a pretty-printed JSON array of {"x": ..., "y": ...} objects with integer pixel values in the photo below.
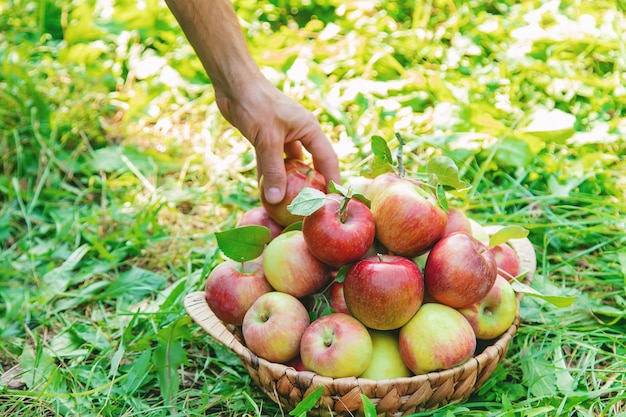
[{"x": 276, "y": 125}]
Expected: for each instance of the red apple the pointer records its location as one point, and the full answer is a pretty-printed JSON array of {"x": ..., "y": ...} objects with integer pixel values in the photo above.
[
  {"x": 408, "y": 219},
  {"x": 299, "y": 175},
  {"x": 457, "y": 222},
  {"x": 232, "y": 287},
  {"x": 386, "y": 362},
  {"x": 494, "y": 314},
  {"x": 273, "y": 326},
  {"x": 337, "y": 233},
  {"x": 437, "y": 337},
  {"x": 291, "y": 268},
  {"x": 296, "y": 363},
  {"x": 459, "y": 270},
  {"x": 507, "y": 260},
  {"x": 383, "y": 291},
  {"x": 336, "y": 346},
  {"x": 337, "y": 300},
  {"x": 258, "y": 216}
]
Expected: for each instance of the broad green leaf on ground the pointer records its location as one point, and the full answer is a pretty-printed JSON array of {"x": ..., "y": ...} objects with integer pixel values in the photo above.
[
  {"x": 133, "y": 285},
  {"x": 307, "y": 202},
  {"x": 507, "y": 233},
  {"x": 58, "y": 279},
  {"x": 243, "y": 243},
  {"x": 37, "y": 364}
]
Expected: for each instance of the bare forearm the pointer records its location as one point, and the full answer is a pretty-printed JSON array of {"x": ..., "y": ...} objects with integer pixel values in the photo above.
[{"x": 212, "y": 28}]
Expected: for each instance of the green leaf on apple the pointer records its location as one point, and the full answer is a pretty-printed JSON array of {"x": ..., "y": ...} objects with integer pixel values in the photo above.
[
  {"x": 369, "y": 409},
  {"x": 335, "y": 188},
  {"x": 341, "y": 273},
  {"x": 441, "y": 197},
  {"x": 383, "y": 160},
  {"x": 507, "y": 233},
  {"x": 557, "y": 300},
  {"x": 293, "y": 226},
  {"x": 307, "y": 403},
  {"x": 446, "y": 173},
  {"x": 307, "y": 202},
  {"x": 243, "y": 243}
]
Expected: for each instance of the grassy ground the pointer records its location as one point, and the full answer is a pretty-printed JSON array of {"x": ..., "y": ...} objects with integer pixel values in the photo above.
[{"x": 116, "y": 169}]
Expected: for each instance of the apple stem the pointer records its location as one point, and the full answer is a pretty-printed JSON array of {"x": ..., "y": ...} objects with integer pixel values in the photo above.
[
  {"x": 328, "y": 342},
  {"x": 380, "y": 257},
  {"x": 343, "y": 208},
  {"x": 401, "y": 171},
  {"x": 505, "y": 274},
  {"x": 243, "y": 264}
]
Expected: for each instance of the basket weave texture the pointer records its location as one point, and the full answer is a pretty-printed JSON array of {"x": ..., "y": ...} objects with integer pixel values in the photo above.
[{"x": 341, "y": 396}]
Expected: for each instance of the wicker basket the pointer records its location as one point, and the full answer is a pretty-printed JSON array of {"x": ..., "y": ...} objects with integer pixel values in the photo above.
[{"x": 341, "y": 396}]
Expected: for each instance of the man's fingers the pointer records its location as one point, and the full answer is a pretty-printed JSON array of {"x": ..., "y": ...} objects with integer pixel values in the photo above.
[
  {"x": 325, "y": 159},
  {"x": 271, "y": 162},
  {"x": 293, "y": 150}
]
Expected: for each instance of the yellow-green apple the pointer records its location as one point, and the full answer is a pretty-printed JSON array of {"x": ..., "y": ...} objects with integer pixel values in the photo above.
[
  {"x": 386, "y": 362},
  {"x": 340, "y": 231},
  {"x": 408, "y": 219},
  {"x": 273, "y": 326},
  {"x": 299, "y": 175},
  {"x": 232, "y": 287},
  {"x": 383, "y": 291},
  {"x": 336, "y": 345},
  {"x": 494, "y": 314},
  {"x": 358, "y": 184},
  {"x": 507, "y": 260},
  {"x": 457, "y": 222},
  {"x": 336, "y": 299},
  {"x": 290, "y": 267},
  {"x": 380, "y": 183},
  {"x": 459, "y": 270},
  {"x": 258, "y": 216},
  {"x": 479, "y": 232},
  {"x": 437, "y": 337}
]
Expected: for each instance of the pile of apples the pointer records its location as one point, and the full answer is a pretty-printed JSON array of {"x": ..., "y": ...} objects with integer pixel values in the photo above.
[{"x": 373, "y": 278}]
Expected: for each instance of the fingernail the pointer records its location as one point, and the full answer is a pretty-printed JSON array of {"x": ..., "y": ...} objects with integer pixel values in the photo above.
[{"x": 272, "y": 195}]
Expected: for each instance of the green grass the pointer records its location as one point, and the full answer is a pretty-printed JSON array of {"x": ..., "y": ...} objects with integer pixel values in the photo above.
[{"x": 113, "y": 181}]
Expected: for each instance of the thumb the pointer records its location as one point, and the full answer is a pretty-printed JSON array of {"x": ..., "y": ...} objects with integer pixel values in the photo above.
[{"x": 272, "y": 167}]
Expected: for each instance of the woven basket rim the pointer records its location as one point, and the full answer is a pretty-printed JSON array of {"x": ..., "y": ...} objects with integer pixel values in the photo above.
[{"x": 198, "y": 309}]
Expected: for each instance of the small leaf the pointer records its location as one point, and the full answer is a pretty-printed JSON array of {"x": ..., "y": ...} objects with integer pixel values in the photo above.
[
  {"x": 243, "y": 243},
  {"x": 557, "y": 300},
  {"x": 307, "y": 402},
  {"x": 441, "y": 197},
  {"x": 383, "y": 161},
  {"x": 446, "y": 172},
  {"x": 307, "y": 202},
  {"x": 292, "y": 226},
  {"x": 507, "y": 233},
  {"x": 381, "y": 150},
  {"x": 363, "y": 199},
  {"x": 335, "y": 188},
  {"x": 341, "y": 273},
  {"x": 369, "y": 409}
]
